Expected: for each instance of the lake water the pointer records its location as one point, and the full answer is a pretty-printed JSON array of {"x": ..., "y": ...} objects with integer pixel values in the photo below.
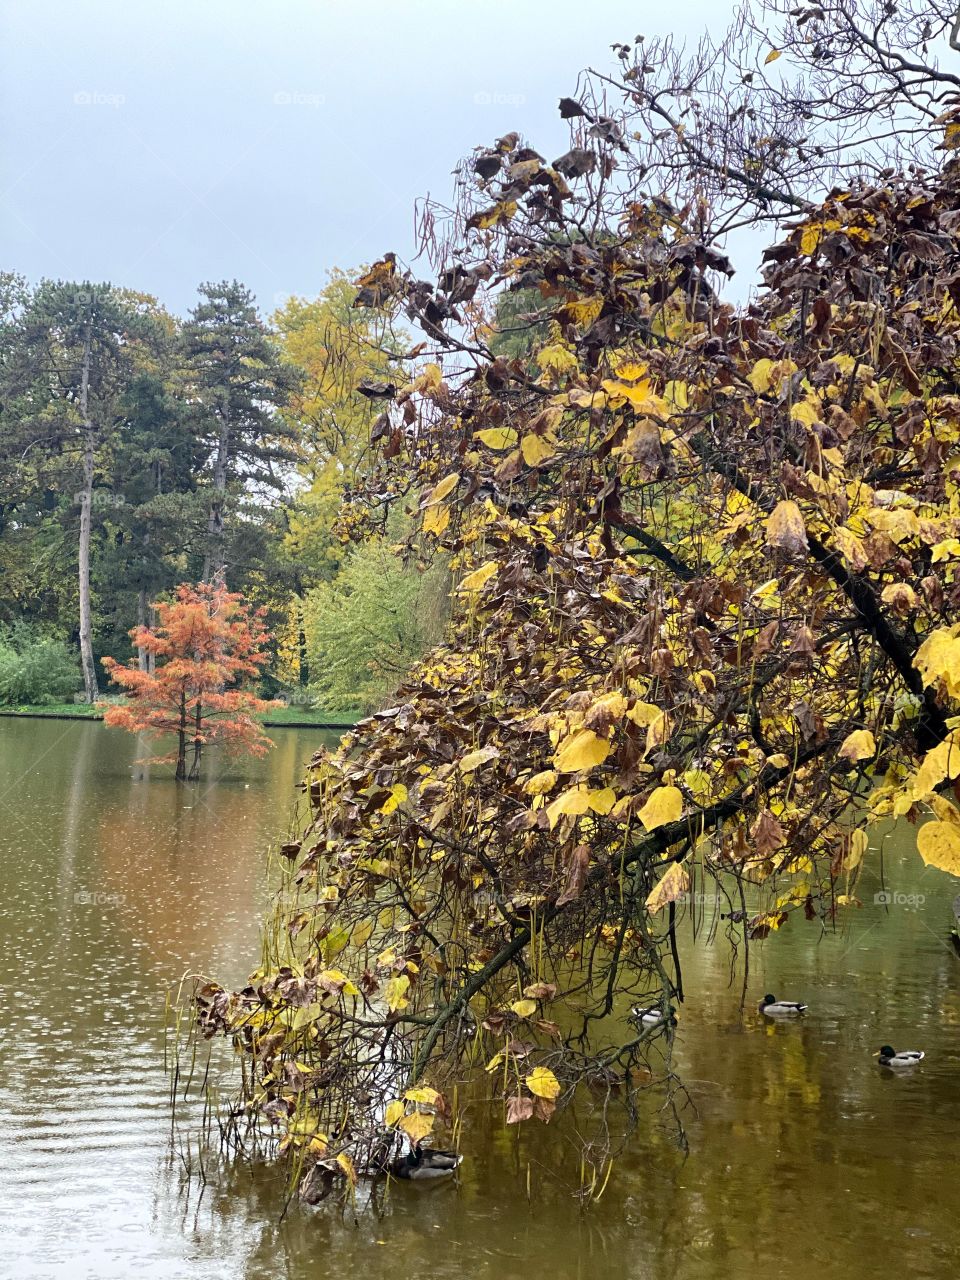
[{"x": 804, "y": 1157}]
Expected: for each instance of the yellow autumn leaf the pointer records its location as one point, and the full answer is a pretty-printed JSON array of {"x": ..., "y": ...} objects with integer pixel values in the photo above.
[
  {"x": 536, "y": 449},
  {"x": 806, "y": 412},
  {"x": 658, "y": 731},
  {"x": 556, "y": 359},
  {"x": 524, "y": 1008},
  {"x": 938, "y": 658},
  {"x": 543, "y": 1083},
  {"x": 498, "y": 438},
  {"x": 417, "y": 1125},
  {"x": 602, "y": 801},
  {"x": 474, "y": 581},
  {"x": 944, "y": 810},
  {"x": 810, "y": 238},
  {"x": 943, "y": 761},
  {"x": 423, "y": 1094},
  {"x": 436, "y": 519},
  {"x": 395, "y": 1112},
  {"x": 474, "y": 759},
  {"x": 395, "y": 992},
  {"x": 346, "y": 1164},
  {"x": 361, "y": 932},
  {"x": 339, "y": 978},
  {"x": 575, "y": 800},
  {"x": 668, "y": 888},
  {"x": 760, "y": 376},
  {"x": 859, "y": 745},
  {"x": 676, "y": 394},
  {"x": 581, "y": 750},
  {"x": 398, "y": 794},
  {"x": 786, "y": 530},
  {"x": 939, "y": 845},
  {"x": 445, "y": 487},
  {"x": 772, "y": 56},
  {"x": 664, "y": 805},
  {"x": 541, "y": 782},
  {"x": 857, "y": 848},
  {"x": 643, "y": 713}
]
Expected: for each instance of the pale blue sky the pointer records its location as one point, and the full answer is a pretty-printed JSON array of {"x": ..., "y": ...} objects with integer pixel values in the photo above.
[{"x": 158, "y": 143}]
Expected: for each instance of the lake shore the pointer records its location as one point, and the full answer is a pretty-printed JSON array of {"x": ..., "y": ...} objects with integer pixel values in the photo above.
[{"x": 281, "y": 718}]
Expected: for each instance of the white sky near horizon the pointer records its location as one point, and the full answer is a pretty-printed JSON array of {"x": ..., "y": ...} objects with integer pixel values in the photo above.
[{"x": 160, "y": 144}]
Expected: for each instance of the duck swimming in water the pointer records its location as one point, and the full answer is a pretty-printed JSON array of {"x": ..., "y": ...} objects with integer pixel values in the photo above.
[
  {"x": 889, "y": 1057},
  {"x": 651, "y": 1015},
  {"x": 421, "y": 1164},
  {"x": 775, "y": 1008}
]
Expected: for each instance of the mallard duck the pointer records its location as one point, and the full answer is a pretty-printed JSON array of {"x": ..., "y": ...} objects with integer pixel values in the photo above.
[
  {"x": 775, "y": 1008},
  {"x": 651, "y": 1015},
  {"x": 890, "y": 1057},
  {"x": 422, "y": 1163}
]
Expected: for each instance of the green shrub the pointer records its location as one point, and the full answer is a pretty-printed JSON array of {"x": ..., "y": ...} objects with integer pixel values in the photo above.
[{"x": 35, "y": 669}]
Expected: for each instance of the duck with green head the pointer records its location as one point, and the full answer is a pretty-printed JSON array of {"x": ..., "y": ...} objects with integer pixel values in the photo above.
[
  {"x": 424, "y": 1164},
  {"x": 774, "y": 1008},
  {"x": 890, "y": 1057}
]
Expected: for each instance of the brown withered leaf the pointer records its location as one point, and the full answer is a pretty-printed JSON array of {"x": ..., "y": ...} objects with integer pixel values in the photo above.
[
  {"x": 576, "y": 864},
  {"x": 520, "y": 1108}
]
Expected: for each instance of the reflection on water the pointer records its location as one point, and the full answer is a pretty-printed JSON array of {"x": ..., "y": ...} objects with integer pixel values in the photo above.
[{"x": 803, "y": 1155}]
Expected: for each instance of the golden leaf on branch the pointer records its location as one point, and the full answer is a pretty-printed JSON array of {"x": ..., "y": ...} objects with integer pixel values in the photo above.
[
  {"x": 424, "y": 1094},
  {"x": 581, "y": 750},
  {"x": 674, "y": 881},
  {"x": 498, "y": 438},
  {"x": 417, "y": 1125},
  {"x": 939, "y": 845},
  {"x": 474, "y": 581},
  {"x": 543, "y": 1083},
  {"x": 524, "y": 1008},
  {"x": 859, "y": 745},
  {"x": 443, "y": 489},
  {"x": 664, "y": 805}
]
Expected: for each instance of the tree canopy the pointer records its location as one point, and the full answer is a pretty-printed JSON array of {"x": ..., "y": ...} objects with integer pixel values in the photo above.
[{"x": 705, "y": 587}]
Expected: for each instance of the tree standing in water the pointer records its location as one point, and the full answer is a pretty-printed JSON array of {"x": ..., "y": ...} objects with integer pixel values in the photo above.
[{"x": 207, "y": 643}]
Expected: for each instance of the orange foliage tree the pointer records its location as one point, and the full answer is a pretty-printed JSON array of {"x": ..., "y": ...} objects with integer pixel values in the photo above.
[{"x": 207, "y": 642}]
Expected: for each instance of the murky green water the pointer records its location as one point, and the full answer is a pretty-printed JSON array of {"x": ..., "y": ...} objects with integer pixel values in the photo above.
[{"x": 804, "y": 1157}]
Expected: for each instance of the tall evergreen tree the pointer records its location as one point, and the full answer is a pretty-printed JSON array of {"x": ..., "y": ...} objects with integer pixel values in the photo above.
[{"x": 237, "y": 384}]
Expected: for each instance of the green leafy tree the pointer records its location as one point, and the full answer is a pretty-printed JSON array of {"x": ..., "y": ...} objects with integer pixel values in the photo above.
[
  {"x": 367, "y": 626},
  {"x": 75, "y": 352}
]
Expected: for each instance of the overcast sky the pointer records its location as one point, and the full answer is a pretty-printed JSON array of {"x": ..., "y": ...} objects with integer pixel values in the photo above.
[{"x": 158, "y": 143}]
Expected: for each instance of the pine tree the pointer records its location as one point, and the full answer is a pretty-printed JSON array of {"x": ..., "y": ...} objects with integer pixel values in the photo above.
[{"x": 238, "y": 383}]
